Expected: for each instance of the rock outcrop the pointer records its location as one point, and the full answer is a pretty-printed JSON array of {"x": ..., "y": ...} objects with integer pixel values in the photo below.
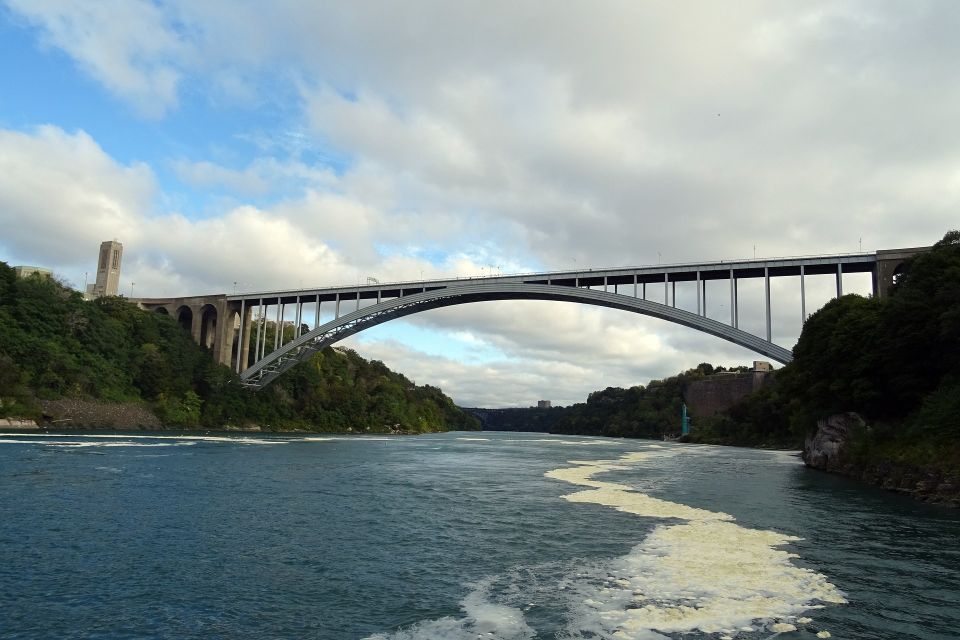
[
  {"x": 827, "y": 450},
  {"x": 824, "y": 449},
  {"x": 71, "y": 413}
]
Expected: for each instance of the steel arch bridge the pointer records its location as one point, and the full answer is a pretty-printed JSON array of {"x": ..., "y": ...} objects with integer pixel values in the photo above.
[
  {"x": 264, "y": 371},
  {"x": 225, "y": 324}
]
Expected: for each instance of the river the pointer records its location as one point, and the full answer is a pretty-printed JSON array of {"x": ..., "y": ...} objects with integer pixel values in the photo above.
[{"x": 457, "y": 536}]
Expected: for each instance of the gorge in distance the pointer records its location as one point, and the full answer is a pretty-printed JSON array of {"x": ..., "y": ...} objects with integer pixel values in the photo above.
[{"x": 873, "y": 392}]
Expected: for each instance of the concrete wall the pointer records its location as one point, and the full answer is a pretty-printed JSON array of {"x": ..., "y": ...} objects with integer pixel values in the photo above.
[
  {"x": 217, "y": 333},
  {"x": 889, "y": 263},
  {"x": 719, "y": 392}
]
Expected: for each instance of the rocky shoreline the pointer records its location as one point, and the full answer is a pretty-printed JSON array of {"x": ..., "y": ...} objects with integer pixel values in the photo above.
[
  {"x": 827, "y": 450},
  {"x": 73, "y": 413}
]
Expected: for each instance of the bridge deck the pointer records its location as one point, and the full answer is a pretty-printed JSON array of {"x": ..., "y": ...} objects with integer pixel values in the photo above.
[{"x": 611, "y": 277}]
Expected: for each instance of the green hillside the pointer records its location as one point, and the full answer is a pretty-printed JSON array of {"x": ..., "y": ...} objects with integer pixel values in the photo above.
[{"x": 54, "y": 344}]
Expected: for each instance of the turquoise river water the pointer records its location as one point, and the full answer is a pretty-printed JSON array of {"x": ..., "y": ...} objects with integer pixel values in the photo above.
[{"x": 457, "y": 536}]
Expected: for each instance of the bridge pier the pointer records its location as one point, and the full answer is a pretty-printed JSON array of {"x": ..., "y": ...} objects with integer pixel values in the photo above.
[
  {"x": 208, "y": 319},
  {"x": 803, "y": 295},
  {"x": 889, "y": 266},
  {"x": 766, "y": 289}
]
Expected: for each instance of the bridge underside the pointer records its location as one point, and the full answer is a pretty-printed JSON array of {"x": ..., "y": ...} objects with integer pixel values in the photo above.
[{"x": 276, "y": 363}]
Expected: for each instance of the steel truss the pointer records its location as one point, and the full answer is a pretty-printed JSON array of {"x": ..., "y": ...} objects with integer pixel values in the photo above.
[{"x": 268, "y": 368}]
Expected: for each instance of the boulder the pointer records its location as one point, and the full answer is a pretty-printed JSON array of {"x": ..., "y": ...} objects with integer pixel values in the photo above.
[
  {"x": 17, "y": 423},
  {"x": 824, "y": 449}
]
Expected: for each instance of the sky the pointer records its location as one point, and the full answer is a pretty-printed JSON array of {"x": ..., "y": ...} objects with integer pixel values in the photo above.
[{"x": 248, "y": 145}]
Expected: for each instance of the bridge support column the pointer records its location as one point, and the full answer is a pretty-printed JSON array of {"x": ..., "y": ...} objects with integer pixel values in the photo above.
[
  {"x": 803, "y": 296},
  {"x": 839, "y": 279},
  {"x": 243, "y": 340},
  {"x": 238, "y": 355},
  {"x": 336, "y": 313},
  {"x": 196, "y": 324},
  {"x": 224, "y": 333},
  {"x": 766, "y": 279},
  {"x": 316, "y": 314},
  {"x": 277, "y": 329},
  {"x": 736, "y": 304},
  {"x": 698, "y": 294},
  {"x": 666, "y": 299},
  {"x": 634, "y": 285},
  {"x": 733, "y": 302},
  {"x": 674, "y": 295},
  {"x": 260, "y": 330},
  {"x": 296, "y": 329},
  {"x": 256, "y": 344}
]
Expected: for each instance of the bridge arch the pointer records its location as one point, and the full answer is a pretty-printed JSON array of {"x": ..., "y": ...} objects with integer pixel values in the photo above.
[
  {"x": 184, "y": 316},
  {"x": 274, "y": 364},
  {"x": 208, "y": 325}
]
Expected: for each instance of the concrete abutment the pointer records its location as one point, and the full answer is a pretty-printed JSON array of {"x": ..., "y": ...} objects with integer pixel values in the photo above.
[{"x": 211, "y": 321}]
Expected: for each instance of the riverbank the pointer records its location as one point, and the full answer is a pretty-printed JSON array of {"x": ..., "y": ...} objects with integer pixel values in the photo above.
[
  {"x": 841, "y": 445},
  {"x": 69, "y": 414}
]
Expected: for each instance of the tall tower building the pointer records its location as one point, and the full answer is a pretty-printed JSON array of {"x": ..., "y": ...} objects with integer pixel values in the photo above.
[{"x": 108, "y": 270}]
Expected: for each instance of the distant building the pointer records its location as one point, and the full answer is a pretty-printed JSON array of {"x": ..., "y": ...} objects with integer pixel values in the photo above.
[
  {"x": 543, "y": 404},
  {"x": 108, "y": 270},
  {"x": 762, "y": 365},
  {"x": 24, "y": 271}
]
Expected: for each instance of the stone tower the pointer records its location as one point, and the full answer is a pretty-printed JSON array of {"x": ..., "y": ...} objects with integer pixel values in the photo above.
[{"x": 108, "y": 269}]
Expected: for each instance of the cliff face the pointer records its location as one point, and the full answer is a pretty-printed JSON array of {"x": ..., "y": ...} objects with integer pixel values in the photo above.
[
  {"x": 824, "y": 449},
  {"x": 829, "y": 449}
]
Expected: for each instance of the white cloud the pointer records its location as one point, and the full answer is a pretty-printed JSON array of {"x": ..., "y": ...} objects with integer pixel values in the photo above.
[
  {"x": 130, "y": 46},
  {"x": 61, "y": 195}
]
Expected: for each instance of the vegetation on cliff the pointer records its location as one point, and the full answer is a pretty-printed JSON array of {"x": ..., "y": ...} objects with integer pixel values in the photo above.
[
  {"x": 53, "y": 344},
  {"x": 649, "y": 411},
  {"x": 893, "y": 360}
]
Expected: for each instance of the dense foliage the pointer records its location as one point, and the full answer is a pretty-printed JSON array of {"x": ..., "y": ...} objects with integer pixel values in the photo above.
[
  {"x": 639, "y": 412},
  {"x": 650, "y": 411},
  {"x": 54, "y": 344}
]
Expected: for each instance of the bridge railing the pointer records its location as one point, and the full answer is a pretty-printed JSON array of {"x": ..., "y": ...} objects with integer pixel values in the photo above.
[{"x": 539, "y": 274}]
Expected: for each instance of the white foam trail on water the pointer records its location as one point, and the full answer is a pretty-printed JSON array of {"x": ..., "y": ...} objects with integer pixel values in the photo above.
[
  {"x": 474, "y": 439},
  {"x": 118, "y": 436},
  {"x": 79, "y": 444},
  {"x": 482, "y": 619},
  {"x": 238, "y": 439},
  {"x": 600, "y": 443},
  {"x": 708, "y": 574}
]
